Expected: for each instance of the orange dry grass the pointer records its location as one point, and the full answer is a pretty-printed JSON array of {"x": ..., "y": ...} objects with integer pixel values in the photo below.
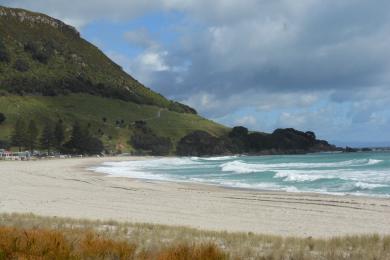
[
  {"x": 92, "y": 246},
  {"x": 49, "y": 244},
  {"x": 33, "y": 244},
  {"x": 194, "y": 252}
]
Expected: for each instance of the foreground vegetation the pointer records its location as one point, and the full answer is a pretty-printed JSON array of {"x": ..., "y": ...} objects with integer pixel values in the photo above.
[{"x": 29, "y": 236}]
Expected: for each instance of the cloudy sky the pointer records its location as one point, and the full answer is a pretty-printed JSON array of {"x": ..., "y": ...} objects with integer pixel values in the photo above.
[{"x": 318, "y": 65}]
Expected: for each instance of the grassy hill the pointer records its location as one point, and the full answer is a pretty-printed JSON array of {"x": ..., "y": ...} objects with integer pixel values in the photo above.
[
  {"x": 48, "y": 72},
  {"x": 42, "y": 55},
  {"x": 93, "y": 110}
]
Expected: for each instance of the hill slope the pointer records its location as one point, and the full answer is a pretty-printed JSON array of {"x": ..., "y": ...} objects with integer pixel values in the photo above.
[
  {"x": 42, "y": 55},
  {"x": 49, "y": 73},
  {"x": 105, "y": 117}
]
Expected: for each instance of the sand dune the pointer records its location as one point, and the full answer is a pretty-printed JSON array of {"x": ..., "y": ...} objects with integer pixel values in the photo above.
[{"x": 65, "y": 188}]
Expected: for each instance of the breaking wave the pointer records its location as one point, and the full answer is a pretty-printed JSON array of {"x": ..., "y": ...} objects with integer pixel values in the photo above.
[{"x": 358, "y": 174}]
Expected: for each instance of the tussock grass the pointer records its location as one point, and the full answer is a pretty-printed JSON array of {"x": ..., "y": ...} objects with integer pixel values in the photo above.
[
  {"x": 52, "y": 244},
  {"x": 82, "y": 239}
]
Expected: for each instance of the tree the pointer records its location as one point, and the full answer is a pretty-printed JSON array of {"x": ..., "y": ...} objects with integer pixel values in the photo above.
[
  {"x": 47, "y": 139},
  {"x": 32, "y": 135},
  {"x": 18, "y": 138},
  {"x": 2, "y": 118},
  {"x": 238, "y": 132},
  {"x": 81, "y": 141},
  {"x": 311, "y": 134},
  {"x": 4, "y": 54},
  {"x": 76, "y": 139},
  {"x": 93, "y": 145},
  {"x": 21, "y": 65},
  {"x": 4, "y": 144},
  {"x": 59, "y": 134},
  {"x": 145, "y": 139}
]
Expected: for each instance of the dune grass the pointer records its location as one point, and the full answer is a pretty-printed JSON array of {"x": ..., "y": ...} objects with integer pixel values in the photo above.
[
  {"x": 53, "y": 244},
  {"x": 83, "y": 239}
]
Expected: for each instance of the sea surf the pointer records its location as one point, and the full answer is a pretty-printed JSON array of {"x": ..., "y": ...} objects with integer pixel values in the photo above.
[{"x": 329, "y": 173}]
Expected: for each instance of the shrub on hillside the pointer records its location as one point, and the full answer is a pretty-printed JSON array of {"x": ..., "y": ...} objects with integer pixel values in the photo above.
[
  {"x": 4, "y": 144},
  {"x": 38, "y": 51},
  {"x": 4, "y": 54},
  {"x": 146, "y": 140},
  {"x": 2, "y": 118},
  {"x": 201, "y": 143},
  {"x": 21, "y": 65}
]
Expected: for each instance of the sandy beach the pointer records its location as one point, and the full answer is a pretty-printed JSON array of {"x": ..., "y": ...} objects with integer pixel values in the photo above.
[{"x": 66, "y": 188}]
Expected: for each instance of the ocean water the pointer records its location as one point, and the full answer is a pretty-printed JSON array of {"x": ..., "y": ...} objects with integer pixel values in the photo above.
[{"x": 334, "y": 173}]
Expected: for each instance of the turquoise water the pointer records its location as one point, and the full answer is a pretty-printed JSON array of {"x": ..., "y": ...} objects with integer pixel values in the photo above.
[{"x": 335, "y": 173}]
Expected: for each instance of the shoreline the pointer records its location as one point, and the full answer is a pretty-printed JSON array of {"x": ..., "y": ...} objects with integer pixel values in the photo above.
[{"x": 66, "y": 188}]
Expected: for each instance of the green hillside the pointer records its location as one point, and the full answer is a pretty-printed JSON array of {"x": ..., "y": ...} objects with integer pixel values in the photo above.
[
  {"x": 49, "y": 73},
  {"x": 93, "y": 110},
  {"x": 42, "y": 55}
]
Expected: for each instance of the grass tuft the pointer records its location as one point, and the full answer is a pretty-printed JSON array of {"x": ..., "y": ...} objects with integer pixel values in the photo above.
[{"x": 26, "y": 236}]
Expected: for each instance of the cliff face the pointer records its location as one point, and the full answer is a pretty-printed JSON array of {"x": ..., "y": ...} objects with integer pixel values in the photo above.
[{"x": 34, "y": 19}]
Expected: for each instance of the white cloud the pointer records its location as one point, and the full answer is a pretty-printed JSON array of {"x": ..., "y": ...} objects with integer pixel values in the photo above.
[
  {"x": 154, "y": 61},
  {"x": 246, "y": 121}
]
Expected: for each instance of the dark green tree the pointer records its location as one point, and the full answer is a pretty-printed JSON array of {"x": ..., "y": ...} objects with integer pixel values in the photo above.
[
  {"x": 32, "y": 135},
  {"x": 93, "y": 145},
  {"x": 21, "y": 65},
  {"x": 77, "y": 139},
  {"x": 47, "y": 139},
  {"x": 82, "y": 142},
  {"x": 2, "y": 118},
  {"x": 4, "y": 54},
  {"x": 59, "y": 134},
  {"x": 18, "y": 138},
  {"x": 238, "y": 132}
]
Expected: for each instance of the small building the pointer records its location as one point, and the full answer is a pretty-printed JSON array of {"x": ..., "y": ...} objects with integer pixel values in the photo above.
[{"x": 5, "y": 155}]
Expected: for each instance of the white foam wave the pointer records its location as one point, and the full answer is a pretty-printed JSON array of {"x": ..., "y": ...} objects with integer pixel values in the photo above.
[
  {"x": 129, "y": 173},
  {"x": 219, "y": 158},
  {"x": 377, "y": 176},
  {"x": 373, "y": 161},
  {"x": 368, "y": 186},
  {"x": 242, "y": 167},
  {"x": 294, "y": 176},
  {"x": 239, "y": 166},
  {"x": 145, "y": 169}
]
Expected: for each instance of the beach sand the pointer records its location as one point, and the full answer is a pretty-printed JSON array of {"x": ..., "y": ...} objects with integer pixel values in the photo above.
[{"x": 66, "y": 188}]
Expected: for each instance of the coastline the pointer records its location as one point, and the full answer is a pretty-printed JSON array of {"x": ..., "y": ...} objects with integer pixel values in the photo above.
[{"x": 65, "y": 188}]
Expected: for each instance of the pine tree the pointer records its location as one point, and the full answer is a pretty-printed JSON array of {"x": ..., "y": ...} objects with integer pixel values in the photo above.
[
  {"x": 82, "y": 142},
  {"x": 77, "y": 139},
  {"x": 47, "y": 139},
  {"x": 59, "y": 134},
  {"x": 31, "y": 135},
  {"x": 18, "y": 138},
  {"x": 2, "y": 118}
]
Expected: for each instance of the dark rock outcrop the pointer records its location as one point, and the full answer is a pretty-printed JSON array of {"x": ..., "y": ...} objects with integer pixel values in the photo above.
[
  {"x": 200, "y": 143},
  {"x": 240, "y": 141}
]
